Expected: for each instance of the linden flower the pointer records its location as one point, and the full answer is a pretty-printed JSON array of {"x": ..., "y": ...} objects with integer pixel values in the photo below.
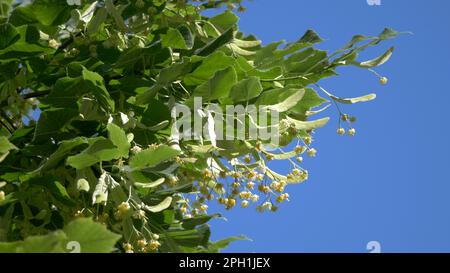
[
  {"x": 247, "y": 159},
  {"x": 127, "y": 247},
  {"x": 251, "y": 175},
  {"x": 312, "y": 152},
  {"x": 83, "y": 185},
  {"x": 275, "y": 185},
  {"x": 172, "y": 180},
  {"x": 267, "y": 205},
  {"x": 307, "y": 140},
  {"x": 383, "y": 80},
  {"x": 299, "y": 149},
  {"x": 304, "y": 175},
  {"x": 142, "y": 243},
  {"x": 282, "y": 197},
  {"x": 53, "y": 43},
  {"x": 250, "y": 185},
  {"x": 244, "y": 194},
  {"x": 154, "y": 245},
  {"x": 269, "y": 157},
  {"x": 340, "y": 131},
  {"x": 299, "y": 159},
  {"x": 254, "y": 198},
  {"x": 178, "y": 160},
  {"x": 207, "y": 173},
  {"x": 123, "y": 208},
  {"x": 260, "y": 177},
  {"x": 352, "y": 132},
  {"x": 140, "y": 214},
  {"x": 78, "y": 213},
  {"x": 183, "y": 210},
  {"x": 231, "y": 202},
  {"x": 244, "y": 203},
  {"x": 203, "y": 207},
  {"x": 235, "y": 175},
  {"x": 264, "y": 189},
  {"x": 155, "y": 236}
]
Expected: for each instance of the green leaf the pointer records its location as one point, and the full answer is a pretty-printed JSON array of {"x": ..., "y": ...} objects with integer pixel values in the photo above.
[
  {"x": 5, "y": 145},
  {"x": 193, "y": 237},
  {"x": 310, "y": 100},
  {"x": 174, "y": 39},
  {"x": 119, "y": 139},
  {"x": 8, "y": 35},
  {"x": 193, "y": 222},
  {"x": 63, "y": 150},
  {"x": 217, "y": 43},
  {"x": 174, "y": 72},
  {"x": 116, "y": 14},
  {"x": 388, "y": 33},
  {"x": 92, "y": 237},
  {"x": 57, "y": 190},
  {"x": 246, "y": 89},
  {"x": 52, "y": 121},
  {"x": 22, "y": 48},
  {"x": 95, "y": 83},
  {"x": 100, "y": 149},
  {"x": 99, "y": 17},
  {"x": 65, "y": 93},
  {"x": 152, "y": 157},
  {"x": 286, "y": 102},
  {"x": 209, "y": 66},
  {"x": 5, "y": 7},
  {"x": 46, "y": 12},
  {"x": 225, "y": 20},
  {"x": 215, "y": 247},
  {"x": 311, "y": 37},
  {"x": 51, "y": 243},
  {"x": 218, "y": 86}
]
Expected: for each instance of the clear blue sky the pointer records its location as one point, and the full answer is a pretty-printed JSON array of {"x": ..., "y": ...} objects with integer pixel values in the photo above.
[{"x": 391, "y": 183}]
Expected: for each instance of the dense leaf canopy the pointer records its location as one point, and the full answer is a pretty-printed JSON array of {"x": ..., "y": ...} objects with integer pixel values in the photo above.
[{"x": 87, "y": 150}]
